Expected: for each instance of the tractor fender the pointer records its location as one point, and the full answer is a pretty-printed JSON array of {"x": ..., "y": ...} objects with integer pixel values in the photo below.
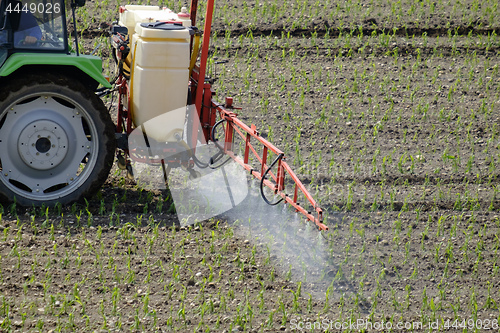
[{"x": 39, "y": 62}]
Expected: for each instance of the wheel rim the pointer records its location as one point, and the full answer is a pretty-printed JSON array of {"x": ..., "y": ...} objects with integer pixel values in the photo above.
[{"x": 49, "y": 146}]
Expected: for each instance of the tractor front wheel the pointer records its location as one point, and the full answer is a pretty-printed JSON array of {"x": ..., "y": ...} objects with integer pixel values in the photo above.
[{"x": 56, "y": 141}]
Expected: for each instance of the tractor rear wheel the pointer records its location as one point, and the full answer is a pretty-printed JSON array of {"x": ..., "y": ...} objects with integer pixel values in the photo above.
[{"x": 56, "y": 141}]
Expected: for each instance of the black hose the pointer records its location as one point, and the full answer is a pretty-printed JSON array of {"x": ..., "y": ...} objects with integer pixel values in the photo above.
[
  {"x": 212, "y": 134},
  {"x": 264, "y": 177},
  {"x": 104, "y": 93},
  {"x": 199, "y": 163},
  {"x": 216, "y": 158}
]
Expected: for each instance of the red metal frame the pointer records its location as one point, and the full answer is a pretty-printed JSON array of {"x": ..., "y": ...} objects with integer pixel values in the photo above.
[
  {"x": 124, "y": 122},
  {"x": 205, "y": 106}
]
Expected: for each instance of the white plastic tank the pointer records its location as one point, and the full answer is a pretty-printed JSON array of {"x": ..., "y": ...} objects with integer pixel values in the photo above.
[
  {"x": 159, "y": 82},
  {"x": 130, "y": 15}
]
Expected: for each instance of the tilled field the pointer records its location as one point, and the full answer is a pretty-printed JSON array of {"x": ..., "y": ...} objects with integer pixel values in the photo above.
[{"x": 388, "y": 111}]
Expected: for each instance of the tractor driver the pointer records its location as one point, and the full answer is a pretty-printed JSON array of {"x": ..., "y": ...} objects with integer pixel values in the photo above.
[{"x": 28, "y": 32}]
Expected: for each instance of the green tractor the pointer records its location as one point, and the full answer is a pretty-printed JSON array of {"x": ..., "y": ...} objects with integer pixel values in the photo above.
[{"x": 57, "y": 140}]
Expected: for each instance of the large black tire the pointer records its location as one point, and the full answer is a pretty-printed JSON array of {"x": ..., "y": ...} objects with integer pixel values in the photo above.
[{"x": 57, "y": 141}]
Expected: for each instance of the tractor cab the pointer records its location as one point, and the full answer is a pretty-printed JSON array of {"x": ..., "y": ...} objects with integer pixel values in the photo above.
[{"x": 32, "y": 26}]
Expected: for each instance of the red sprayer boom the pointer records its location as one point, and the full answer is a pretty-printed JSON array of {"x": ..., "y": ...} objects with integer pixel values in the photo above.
[{"x": 207, "y": 106}]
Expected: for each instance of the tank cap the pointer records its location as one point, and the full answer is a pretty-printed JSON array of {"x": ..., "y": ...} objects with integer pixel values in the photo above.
[
  {"x": 163, "y": 26},
  {"x": 184, "y": 13}
]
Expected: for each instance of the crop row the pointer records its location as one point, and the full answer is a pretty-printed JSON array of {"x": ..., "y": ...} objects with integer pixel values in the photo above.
[
  {"x": 395, "y": 115},
  {"x": 135, "y": 277}
]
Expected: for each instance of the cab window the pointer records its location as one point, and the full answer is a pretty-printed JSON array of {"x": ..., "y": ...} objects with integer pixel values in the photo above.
[{"x": 36, "y": 24}]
